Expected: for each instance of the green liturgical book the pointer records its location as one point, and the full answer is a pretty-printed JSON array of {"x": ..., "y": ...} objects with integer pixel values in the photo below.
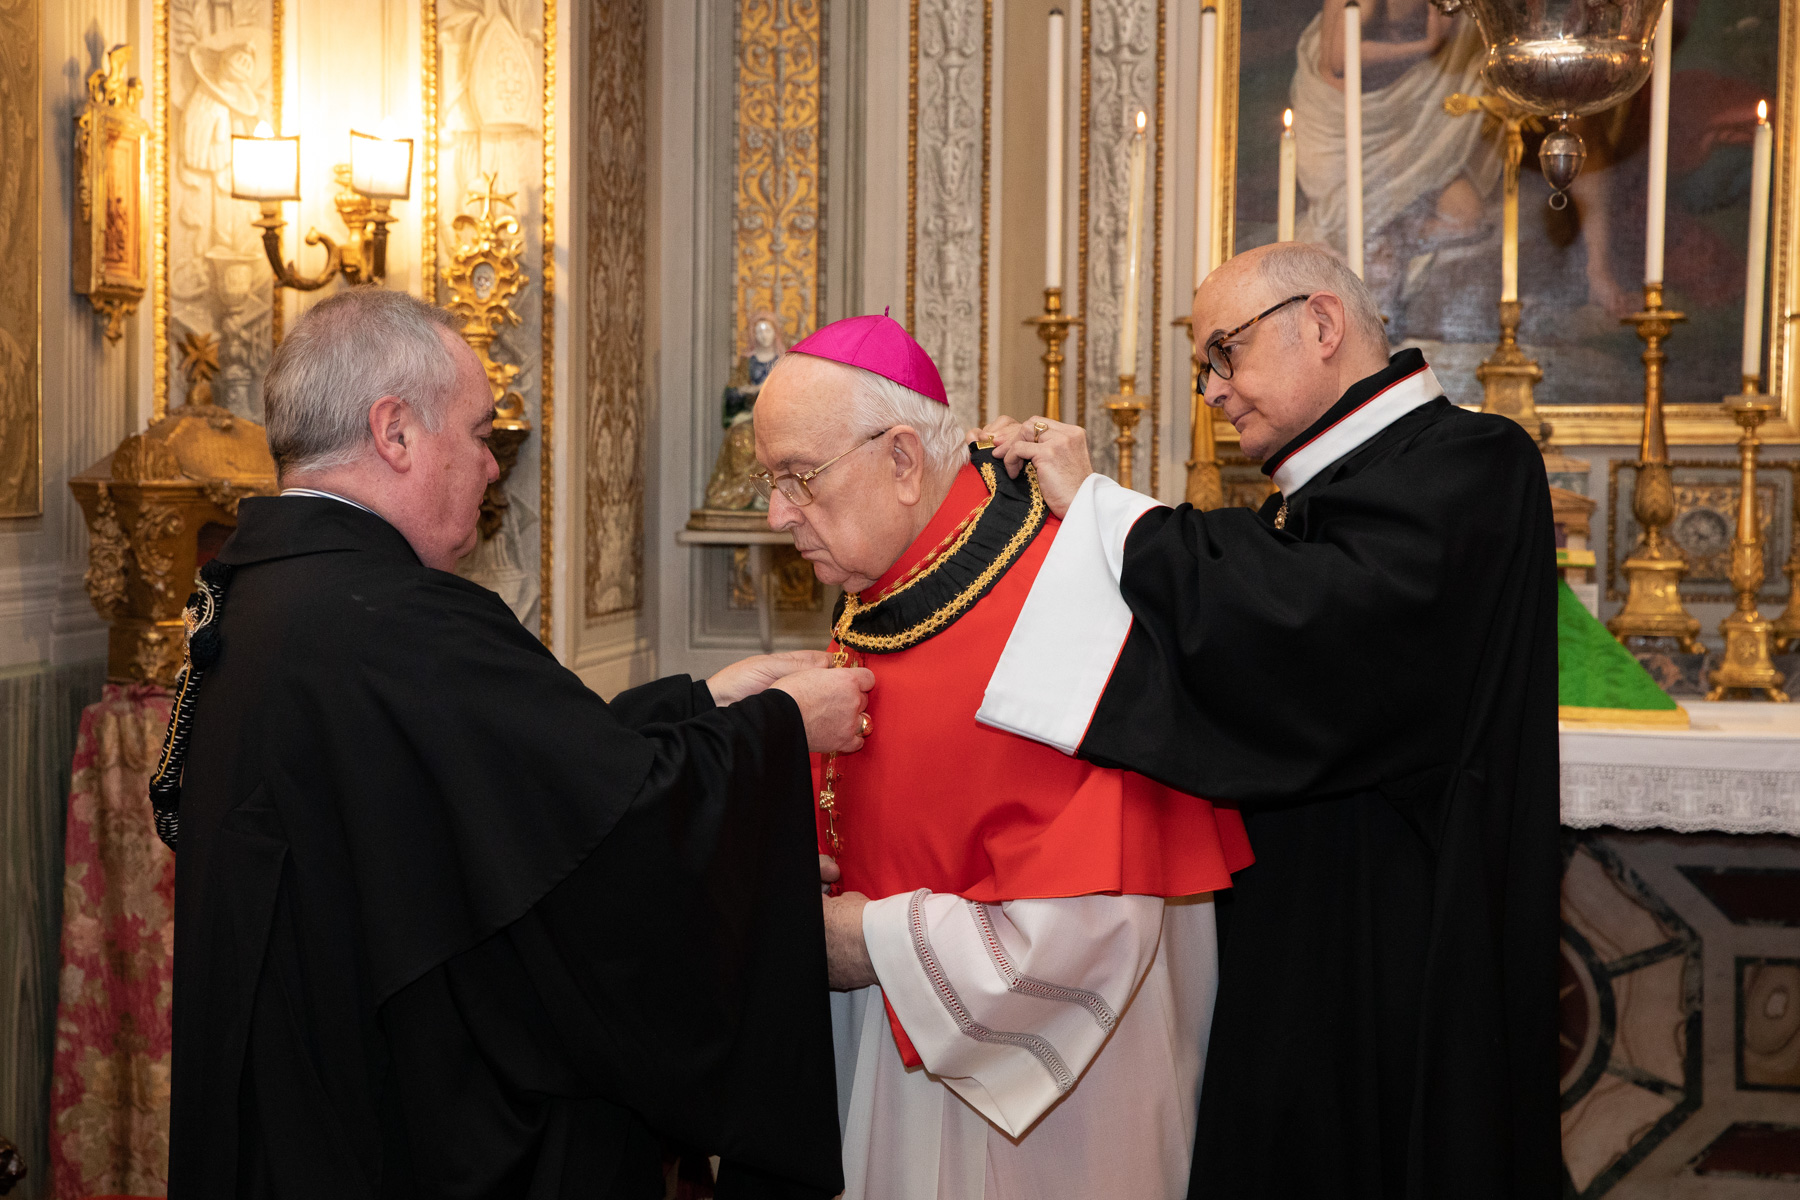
[{"x": 1598, "y": 680}]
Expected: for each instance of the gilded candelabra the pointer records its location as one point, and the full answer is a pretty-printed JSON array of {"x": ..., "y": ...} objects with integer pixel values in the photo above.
[
  {"x": 1205, "y": 488},
  {"x": 1653, "y": 605},
  {"x": 1747, "y": 635},
  {"x": 1125, "y": 409},
  {"x": 1053, "y": 327},
  {"x": 483, "y": 277}
]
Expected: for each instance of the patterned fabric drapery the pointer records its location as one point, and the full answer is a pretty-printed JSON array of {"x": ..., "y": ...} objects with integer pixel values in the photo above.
[{"x": 109, "y": 1131}]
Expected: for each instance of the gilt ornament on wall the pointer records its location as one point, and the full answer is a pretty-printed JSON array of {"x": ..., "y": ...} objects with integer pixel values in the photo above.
[
  {"x": 483, "y": 277},
  {"x": 111, "y": 143}
]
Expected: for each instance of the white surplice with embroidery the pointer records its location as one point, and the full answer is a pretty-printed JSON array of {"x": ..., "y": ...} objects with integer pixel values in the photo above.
[{"x": 1063, "y": 1042}]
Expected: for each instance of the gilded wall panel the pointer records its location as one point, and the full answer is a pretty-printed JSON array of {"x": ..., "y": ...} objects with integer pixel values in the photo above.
[
  {"x": 778, "y": 209},
  {"x": 492, "y": 70},
  {"x": 223, "y": 77},
  {"x": 1122, "y": 47},
  {"x": 615, "y": 214},
  {"x": 947, "y": 265},
  {"x": 21, "y": 460}
]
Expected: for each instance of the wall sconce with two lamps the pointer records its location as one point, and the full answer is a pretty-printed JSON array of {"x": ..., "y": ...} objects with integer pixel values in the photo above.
[{"x": 266, "y": 168}]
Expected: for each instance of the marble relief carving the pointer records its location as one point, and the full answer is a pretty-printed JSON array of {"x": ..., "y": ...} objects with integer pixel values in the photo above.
[
  {"x": 21, "y": 483},
  {"x": 221, "y": 82},
  {"x": 615, "y": 213},
  {"x": 778, "y": 208},
  {"x": 1119, "y": 65},
  {"x": 490, "y": 120},
  {"x": 948, "y": 270}
]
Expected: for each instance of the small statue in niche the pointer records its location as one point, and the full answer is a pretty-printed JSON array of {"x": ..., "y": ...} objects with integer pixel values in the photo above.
[{"x": 730, "y": 488}]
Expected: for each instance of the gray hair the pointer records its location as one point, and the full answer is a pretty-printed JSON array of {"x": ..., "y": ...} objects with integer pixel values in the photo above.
[
  {"x": 1298, "y": 268},
  {"x": 345, "y": 353},
  {"x": 876, "y": 403}
]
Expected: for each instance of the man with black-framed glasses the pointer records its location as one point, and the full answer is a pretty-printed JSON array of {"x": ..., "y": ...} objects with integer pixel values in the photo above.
[{"x": 1366, "y": 669}]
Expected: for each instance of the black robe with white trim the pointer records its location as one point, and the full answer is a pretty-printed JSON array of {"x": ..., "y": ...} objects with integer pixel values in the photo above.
[
  {"x": 449, "y": 925},
  {"x": 1375, "y": 687}
]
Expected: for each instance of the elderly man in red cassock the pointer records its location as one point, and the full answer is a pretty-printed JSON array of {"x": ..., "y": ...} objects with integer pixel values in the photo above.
[{"x": 1024, "y": 941}]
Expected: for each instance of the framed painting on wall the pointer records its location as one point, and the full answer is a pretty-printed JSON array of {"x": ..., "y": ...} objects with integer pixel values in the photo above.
[{"x": 1432, "y": 202}]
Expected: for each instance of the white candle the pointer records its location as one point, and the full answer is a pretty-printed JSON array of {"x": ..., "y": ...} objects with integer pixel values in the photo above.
[
  {"x": 1509, "y": 225},
  {"x": 1134, "y": 239},
  {"x": 1353, "y": 164},
  {"x": 1657, "y": 202},
  {"x": 1290, "y": 164},
  {"x": 1758, "y": 259},
  {"x": 1205, "y": 235},
  {"x": 1053, "y": 158}
]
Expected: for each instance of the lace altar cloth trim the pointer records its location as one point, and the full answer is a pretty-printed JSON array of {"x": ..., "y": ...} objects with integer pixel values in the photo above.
[{"x": 1693, "y": 782}]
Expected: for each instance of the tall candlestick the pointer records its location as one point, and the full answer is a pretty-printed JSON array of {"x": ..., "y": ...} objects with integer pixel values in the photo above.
[
  {"x": 1353, "y": 163},
  {"x": 1657, "y": 201},
  {"x": 1134, "y": 240},
  {"x": 1290, "y": 163},
  {"x": 1758, "y": 258},
  {"x": 1053, "y": 158},
  {"x": 1204, "y": 233}
]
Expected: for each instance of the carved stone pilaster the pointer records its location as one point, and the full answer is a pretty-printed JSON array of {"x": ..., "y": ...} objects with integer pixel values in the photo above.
[{"x": 947, "y": 269}]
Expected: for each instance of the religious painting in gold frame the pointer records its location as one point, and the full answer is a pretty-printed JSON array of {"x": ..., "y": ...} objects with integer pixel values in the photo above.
[
  {"x": 21, "y": 447},
  {"x": 1433, "y": 243}
]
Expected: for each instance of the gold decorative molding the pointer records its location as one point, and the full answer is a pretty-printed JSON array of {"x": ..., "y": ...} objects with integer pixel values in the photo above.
[
  {"x": 428, "y": 152},
  {"x": 613, "y": 300},
  {"x": 778, "y": 197},
  {"x": 159, "y": 210},
  {"x": 1156, "y": 252},
  {"x": 547, "y": 413}
]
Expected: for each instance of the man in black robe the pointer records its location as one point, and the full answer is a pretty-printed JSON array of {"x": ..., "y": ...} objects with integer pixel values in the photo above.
[
  {"x": 448, "y": 924},
  {"x": 1367, "y": 668}
]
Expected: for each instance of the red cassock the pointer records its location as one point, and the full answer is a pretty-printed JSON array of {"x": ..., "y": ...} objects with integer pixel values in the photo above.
[{"x": 935, "y": 800}]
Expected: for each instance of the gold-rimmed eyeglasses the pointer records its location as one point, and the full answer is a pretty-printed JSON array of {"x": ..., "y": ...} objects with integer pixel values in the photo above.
[
  {"x": 1217, "y": 355},
  {"x": 794, "y": 487}
]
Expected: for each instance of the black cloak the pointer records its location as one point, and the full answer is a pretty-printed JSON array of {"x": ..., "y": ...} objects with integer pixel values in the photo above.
[
  {"x": 449, "y": 925},
  {"x": 1374, "y": 686}
]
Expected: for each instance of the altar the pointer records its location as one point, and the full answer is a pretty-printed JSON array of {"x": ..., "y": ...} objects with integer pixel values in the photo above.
[{"x": 1736, "y": 769}]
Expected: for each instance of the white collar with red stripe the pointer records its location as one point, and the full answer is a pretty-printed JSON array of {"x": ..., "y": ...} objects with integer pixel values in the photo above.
[{"x": 1406, "y": 384}]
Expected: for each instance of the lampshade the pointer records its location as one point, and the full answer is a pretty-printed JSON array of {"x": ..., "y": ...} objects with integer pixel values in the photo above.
[
  {"x": 381, "y": 168},
  {"x": 265, "y": 168}
]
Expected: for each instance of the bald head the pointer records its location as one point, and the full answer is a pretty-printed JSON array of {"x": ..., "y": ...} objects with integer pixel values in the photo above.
[{"x": 1288, "y": 368}]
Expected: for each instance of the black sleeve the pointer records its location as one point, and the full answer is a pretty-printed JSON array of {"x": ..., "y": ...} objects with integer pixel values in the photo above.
[
  {"x": 1261, "y": 666},
  {"x": 670, "y": 990},
  {"x": 673, "y": 698}
]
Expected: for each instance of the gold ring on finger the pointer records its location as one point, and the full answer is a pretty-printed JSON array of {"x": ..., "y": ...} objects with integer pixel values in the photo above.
[{"x": 864, "y": 726}]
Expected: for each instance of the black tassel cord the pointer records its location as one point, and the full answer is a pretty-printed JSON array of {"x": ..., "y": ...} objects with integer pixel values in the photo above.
[{"x": 201, "y": 616}]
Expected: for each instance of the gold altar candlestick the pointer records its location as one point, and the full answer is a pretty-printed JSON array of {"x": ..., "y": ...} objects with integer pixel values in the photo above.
[
  {"x": 1205, "y": 489},
  {"x": 1508, "y": 374},
  {"x": 1053, "y": 327},
  {"x": 1747, "y": 634},
  {"x": 1653, "y": 606},
  {"x": 1125, "y": 409}
]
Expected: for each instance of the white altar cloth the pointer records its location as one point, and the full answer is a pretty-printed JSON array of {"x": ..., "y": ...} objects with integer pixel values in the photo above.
[{"x": 1736, "y": 770}]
